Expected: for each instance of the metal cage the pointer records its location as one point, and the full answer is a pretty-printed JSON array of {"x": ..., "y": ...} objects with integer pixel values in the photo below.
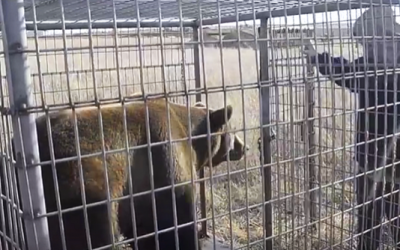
[{"x": 298, "y": 127}]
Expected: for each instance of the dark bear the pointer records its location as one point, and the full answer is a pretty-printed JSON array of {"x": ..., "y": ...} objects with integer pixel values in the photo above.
[{"x": 167, "y": 168}]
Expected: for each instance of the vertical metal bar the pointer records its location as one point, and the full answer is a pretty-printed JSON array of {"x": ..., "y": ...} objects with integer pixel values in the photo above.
[
  {"x": 198, "y": 99},
  {"x": 311, "y": 144},
  {"x": 26, "y": 147},
  {"x": 266, "y": 134}
]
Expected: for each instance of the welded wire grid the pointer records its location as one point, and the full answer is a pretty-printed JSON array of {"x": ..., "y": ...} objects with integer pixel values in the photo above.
[
  {"x": 189, "y": 10},
  {"x": 234, "y": 195},
  {"x": 333, "y": 126}
]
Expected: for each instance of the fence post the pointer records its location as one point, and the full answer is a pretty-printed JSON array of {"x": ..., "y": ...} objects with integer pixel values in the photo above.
[
  {"x": 24, "y": 126},
  {"x": 198, "y": 99},
  {"x": 311, "y": 172},
  {"x": 265, "y": 156}
]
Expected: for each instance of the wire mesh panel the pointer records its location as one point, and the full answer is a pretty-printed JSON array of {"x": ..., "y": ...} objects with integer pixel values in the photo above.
[
  {"x": 290, "y": 149},
  {"x": 101, "y": 54},
  {"x": 337, "y": 96},
  {"x": 78, "y": 69},
  {"x": 137, "y": 103}
]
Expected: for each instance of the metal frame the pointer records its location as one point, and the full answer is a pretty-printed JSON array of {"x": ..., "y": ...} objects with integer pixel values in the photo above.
[
  {"x": 24, "y": 126},
  {"x": 265, "y": 156},
  {"x": 48, "y": 12},
  {"x": 14, "y": 38}
]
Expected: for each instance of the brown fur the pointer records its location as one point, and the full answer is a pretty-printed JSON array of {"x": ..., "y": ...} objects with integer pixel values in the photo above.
[
  {"x": 233, "y": 148},
  {"x": 185, "y": 159}
]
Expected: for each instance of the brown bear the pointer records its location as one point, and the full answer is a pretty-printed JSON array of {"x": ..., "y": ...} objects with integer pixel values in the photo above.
[
  {"x": 234, "y": 149},
  {"x": 122, "y": 166}
]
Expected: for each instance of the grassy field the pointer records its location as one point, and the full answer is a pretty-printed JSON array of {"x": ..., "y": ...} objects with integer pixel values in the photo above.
[{"x": 234, "y": 199}]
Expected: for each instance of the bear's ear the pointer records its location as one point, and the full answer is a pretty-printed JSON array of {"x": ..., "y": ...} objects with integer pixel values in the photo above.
[{"x": 217, "y": 117}]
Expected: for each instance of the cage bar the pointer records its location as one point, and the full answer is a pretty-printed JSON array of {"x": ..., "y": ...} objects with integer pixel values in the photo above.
[
  {"x": 24, "y": 126},
  {"x": 311, "y": 174},
  {"x": 49, "y": 10},
  {"x": 55, "y": 25},
  {"x": 265, "y": 155},
  {"x": 48, "y": 13},
  {"x": 196, "y": 51}
]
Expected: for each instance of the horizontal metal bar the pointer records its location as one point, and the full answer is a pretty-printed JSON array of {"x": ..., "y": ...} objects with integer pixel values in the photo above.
[
  {"x": 128, "y": 99},
  {"x": 107, "y": 25},
  {"x": 57, "y": 25},
  {"x": 318, "y": 8},
  {"x": 107, "y": 70}
]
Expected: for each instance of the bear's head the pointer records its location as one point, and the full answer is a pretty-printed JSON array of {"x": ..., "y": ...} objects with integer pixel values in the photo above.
[{"x": 229, "y": 145}]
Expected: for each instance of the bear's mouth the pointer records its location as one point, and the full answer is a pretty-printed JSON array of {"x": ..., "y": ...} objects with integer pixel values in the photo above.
[{"x": 237, "y": 153}]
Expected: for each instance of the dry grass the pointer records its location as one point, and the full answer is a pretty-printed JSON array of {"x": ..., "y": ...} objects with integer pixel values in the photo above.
[{"x": 244, "y": 191}]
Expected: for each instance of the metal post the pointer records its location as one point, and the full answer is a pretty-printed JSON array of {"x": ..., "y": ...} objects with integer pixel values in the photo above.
[
  {"x": 311, "y": 176},
  {"x": 24, "y": 126},
  {"x": 198, "y": 99},
  {"x": 266, "y": 133}
]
